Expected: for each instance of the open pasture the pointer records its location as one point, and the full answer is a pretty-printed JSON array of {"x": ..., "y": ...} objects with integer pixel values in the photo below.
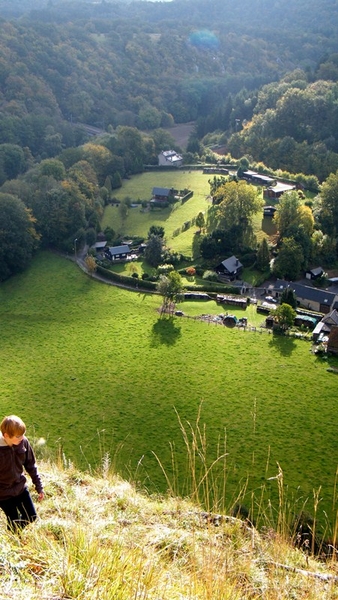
[{"x": 93, "y": 369}]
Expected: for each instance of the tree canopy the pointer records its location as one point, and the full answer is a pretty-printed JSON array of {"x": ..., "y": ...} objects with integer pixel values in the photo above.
[{"x": 18, "y": 237}]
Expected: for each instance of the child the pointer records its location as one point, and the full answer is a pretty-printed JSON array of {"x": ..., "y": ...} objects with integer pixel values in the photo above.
[{"x": 16, "y": 454}]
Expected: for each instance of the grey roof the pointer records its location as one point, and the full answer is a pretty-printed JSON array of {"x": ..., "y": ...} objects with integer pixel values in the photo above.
[
  {"x": 306, "y": 292},
  {"x": 232, "y": 264},
  {"x": 254, "y": 175},
  {"x": 281, "y": 187},
  {"x": 99, "y": 245},
  {"x": 119, "y": 249},
  {"x": 159, "y": 191},
  {"x": 331, "y": 318},
  {"x": 316, "y": 271}
]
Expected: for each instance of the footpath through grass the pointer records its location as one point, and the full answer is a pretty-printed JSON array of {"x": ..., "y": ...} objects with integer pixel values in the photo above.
[{"x": 93, "y": 369}]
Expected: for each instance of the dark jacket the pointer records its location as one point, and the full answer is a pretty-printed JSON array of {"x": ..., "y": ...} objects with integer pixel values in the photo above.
[{"x": 13, "y": 460}]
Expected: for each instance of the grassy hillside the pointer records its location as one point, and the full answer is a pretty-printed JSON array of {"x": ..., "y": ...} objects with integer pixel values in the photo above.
[
  {"x": 98, "y": 538},
  {"x": 171, "y": 218},
  {"x": 94, "y": 370}
]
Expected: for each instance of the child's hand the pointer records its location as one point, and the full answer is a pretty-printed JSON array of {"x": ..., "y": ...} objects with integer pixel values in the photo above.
[{"x": 41, "y": 496}]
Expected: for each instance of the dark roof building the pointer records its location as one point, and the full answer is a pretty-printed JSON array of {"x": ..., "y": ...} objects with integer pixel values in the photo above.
[
  {"x": 119, "y": 252},
  {"x": 230, "y": 267},
  {"x": 309, "y": 297}
]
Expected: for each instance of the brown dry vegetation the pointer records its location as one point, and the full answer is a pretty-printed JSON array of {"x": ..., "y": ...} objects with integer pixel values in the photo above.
[{"x": 99, "y": 538}]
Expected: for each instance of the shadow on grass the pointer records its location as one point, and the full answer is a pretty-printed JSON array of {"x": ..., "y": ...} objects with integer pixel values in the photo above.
[
  {"x": 283, "y": 344},
  {"x": 196, "y": 245},
  {"x": 268, "y": 226},
  {"x": 165, "y": 331}
]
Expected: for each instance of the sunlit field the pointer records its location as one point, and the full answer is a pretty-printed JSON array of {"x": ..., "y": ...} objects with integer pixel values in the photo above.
[
  {"x": 172, "y": 218},
  {"x": 94, "y": 369}
]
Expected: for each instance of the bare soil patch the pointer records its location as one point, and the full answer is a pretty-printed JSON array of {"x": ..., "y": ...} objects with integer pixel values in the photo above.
[{"x": 181, "y": 133}]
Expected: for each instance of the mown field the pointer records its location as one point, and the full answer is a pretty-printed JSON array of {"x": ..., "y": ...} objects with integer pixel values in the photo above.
[
  {"x": 93, "y": 369},
  {"x": 138, "y": 222}
]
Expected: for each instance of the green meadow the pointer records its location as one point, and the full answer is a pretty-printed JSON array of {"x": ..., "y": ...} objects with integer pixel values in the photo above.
[
  {"x": 138, "y": 222},
  {"x": 172, "y": 218},
  {"x": 93, "y": 369}
]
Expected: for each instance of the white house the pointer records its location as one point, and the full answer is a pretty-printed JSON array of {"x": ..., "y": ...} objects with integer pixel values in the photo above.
[{"x": 170, "y": 158}]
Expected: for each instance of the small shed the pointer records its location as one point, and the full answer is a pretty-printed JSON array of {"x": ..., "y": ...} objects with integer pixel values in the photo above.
[
  {"x": 314, "y": 273},
  {"x": 305, "y": 321},
  {"x": 100, "y": 246},
  {"x": 269, "y": 211}
]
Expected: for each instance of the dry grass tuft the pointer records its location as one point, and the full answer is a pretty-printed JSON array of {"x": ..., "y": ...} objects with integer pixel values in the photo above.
[{"x": 99, "y": 539}]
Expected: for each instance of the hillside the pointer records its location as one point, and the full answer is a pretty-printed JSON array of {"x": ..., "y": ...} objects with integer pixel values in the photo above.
[
  {"x": 144, "y": 64},
  {"x": 100, "y": 538}
]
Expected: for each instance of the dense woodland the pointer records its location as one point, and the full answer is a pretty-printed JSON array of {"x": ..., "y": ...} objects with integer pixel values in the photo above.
[{"x": 257, "y": 77}]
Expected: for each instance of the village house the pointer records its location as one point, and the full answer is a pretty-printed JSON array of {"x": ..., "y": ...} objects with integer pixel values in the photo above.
[
  {"x": 170, "y": 158},
  {"x": 161, "y": 195},
  {"x": 323, "y": 328},
  {"x": 230, "y": 268},
  {"x": 118, "y": 252},
  {"x": 308, "y": 297}
]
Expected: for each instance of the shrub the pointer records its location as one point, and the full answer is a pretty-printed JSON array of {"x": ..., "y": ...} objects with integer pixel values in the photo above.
[
  {"x": 249, "y": 259},
  {"x": 135, "y": 275},
  {"x": 145, "y": 276},
  {"x": 166, "y": 268},
  {"x": 210, "y": 276}
]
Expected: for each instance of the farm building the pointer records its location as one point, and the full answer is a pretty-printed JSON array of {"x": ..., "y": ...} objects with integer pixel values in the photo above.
[
  {"x": 277, "y": 190},
  {"x": 308, "y": 297},
  {"x": 230, "y": 268},
  {"x": 170, "y": 158},
  {"x": 254, "y": 177}
]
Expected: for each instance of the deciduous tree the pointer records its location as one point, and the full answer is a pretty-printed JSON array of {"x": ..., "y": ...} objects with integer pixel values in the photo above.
[
  {"x": 284, "y": 315},
  {"x": 18, "y": 237}
]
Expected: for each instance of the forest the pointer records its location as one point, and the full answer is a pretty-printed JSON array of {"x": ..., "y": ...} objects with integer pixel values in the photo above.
[{"x": 257, "y": 78}]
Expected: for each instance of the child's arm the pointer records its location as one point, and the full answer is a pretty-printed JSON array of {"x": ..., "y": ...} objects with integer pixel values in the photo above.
[{"x": 32, "y": 469}]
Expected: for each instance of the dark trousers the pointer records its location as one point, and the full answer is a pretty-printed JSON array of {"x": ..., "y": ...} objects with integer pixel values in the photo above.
[{"x": 19, "y": 510}]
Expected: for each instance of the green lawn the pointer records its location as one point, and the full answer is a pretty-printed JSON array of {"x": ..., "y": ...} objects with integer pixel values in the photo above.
[
  {"x": 93, "y": 369},
  {"x": 172, "y": 218}
]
